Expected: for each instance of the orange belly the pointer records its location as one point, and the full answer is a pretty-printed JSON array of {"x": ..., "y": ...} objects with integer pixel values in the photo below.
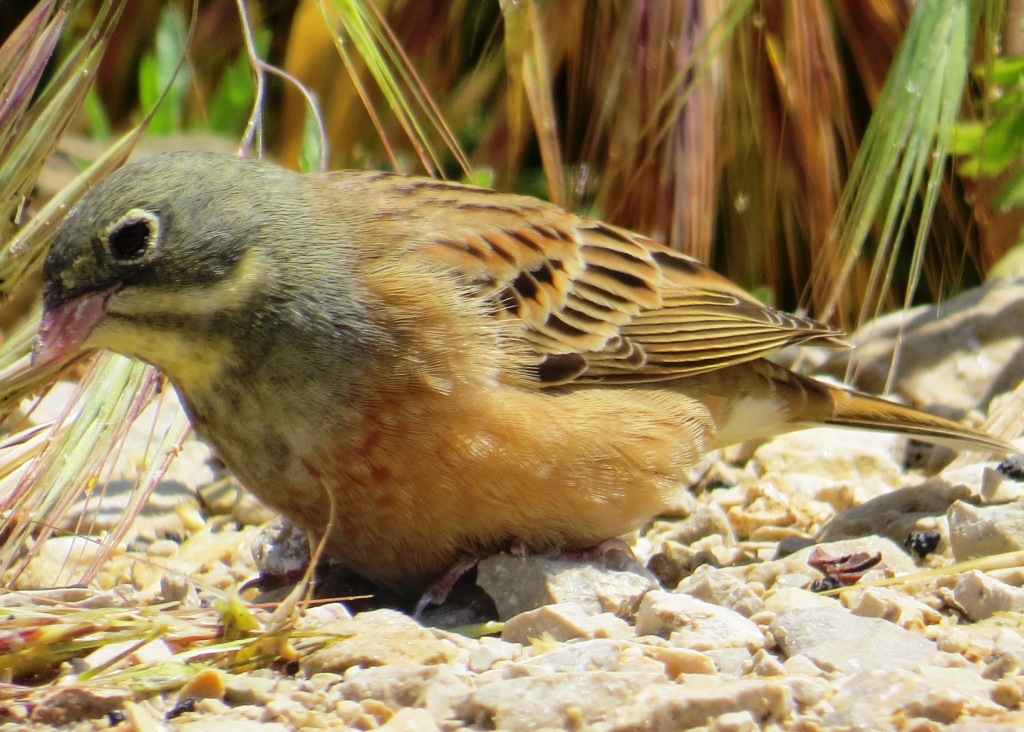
[{"x": 420, "y": 480}]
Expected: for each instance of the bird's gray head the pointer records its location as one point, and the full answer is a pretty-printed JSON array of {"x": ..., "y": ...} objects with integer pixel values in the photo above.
[{"x": 155, "y": 245}]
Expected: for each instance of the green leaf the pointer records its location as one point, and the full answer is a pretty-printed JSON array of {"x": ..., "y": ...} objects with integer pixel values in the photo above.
[
  {"x": 232, "y": 101},
  {"x": 159, "y": 72},
  {"x": 1011, "y": 194},
  {"x": 99, "y": 123},
  {"x": 311, "y": 152}
]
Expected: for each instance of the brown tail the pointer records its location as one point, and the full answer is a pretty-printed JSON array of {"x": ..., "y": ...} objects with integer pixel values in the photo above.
[
  {"x": 760, "y": 399},
  {"x": 853, "y": 409}
]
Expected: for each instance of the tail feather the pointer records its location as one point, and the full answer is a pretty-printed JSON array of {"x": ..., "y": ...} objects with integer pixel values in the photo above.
[
  {"x": 853, "y": 409},
  {"x": 760, "y": 399}
]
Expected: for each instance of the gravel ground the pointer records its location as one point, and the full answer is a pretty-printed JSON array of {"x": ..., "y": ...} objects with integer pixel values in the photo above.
[{"x": 825, "y": 580}]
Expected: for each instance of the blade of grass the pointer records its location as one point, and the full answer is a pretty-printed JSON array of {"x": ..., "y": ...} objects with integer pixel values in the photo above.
[{"x": 904, "y": 148}]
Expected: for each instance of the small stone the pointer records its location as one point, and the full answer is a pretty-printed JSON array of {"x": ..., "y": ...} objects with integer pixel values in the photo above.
[
  {"x": 375, "y": 638},
  {"x": 219, "y": 497},
  {"x": 997, "y": 487},
  {"x": 518, "y": 584},
  {"x": 401, "y": 685},
  {"x": 248, "y": 511},
  {"x": 679, "y": 661},
  {"x": 766, "y": 664},
  {"x": 980, "y": 531},
  {"x": 280, "y": 549},
  {"x": 64, "y": 705},
  {"x": 675, "y": 561},
  {"x": 207, "y": 684},
  {"x": 1008, "y": 693},
  {"x": 837, "y": 640},
  {"x": 807, "y": 691},
  {"x": 706, "y": 520},
  {"x": 792, "y": 597},
  {"x": 898, "y": 608},
  {"x": 242, "y": 689},
  {"x": 870, "y": 464},
  {"x": 896, "y": 514},
  {"x": 563, "y": 621},
  {"x": 490, "y": 651},
  {"x": 410, "y": 720},
  {"x": 684, "y": 706},
  {"x": 722, "y": 588},
  {"x": 595, "y": 655},
  {"x": 872, "y": 698},
  {"x": 981, "y": 596},
  {"x": 692, "y": 623},
  {"x": 578, "y": 700},
  {"x": 60, "y": 560}
]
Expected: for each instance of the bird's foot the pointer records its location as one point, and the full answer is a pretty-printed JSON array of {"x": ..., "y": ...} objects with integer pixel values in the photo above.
[
  {"x": 586, "y": 554},
  {"x": 439, "y": 591}
]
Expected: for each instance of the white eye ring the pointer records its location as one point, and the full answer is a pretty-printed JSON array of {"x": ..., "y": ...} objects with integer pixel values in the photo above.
[{"x": 132, "y": 235}]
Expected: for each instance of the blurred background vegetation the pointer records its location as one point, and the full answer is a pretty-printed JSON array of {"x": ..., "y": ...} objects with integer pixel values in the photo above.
[
  {"x": 726, "y": 128},
  {"x": 841, "y": 157}
]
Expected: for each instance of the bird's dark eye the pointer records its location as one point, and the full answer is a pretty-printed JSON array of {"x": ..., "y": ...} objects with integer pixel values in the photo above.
[{"x": 133, "y": 235}]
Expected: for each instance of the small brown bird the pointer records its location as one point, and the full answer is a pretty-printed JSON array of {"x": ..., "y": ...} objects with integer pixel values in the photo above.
[{"x": 451, "y": 368}]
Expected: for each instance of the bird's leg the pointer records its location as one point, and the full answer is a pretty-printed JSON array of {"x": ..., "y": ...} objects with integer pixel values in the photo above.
[
  {"x": 438, "y": 592},
  {"x": 598, "y": 551}
]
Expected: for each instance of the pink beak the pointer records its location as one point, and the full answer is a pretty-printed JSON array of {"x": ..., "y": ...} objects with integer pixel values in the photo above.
[{"x": 65, "y": 327}]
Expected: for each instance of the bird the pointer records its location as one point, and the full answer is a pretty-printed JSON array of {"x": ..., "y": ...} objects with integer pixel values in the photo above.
[{"x": 415, "y": 371}]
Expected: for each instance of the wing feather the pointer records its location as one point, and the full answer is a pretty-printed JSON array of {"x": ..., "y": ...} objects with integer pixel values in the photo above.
[{"x": 594, "y": 302}]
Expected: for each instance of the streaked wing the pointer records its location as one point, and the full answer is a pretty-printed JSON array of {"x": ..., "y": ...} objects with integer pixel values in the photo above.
[{"x": 596, "y": 302}]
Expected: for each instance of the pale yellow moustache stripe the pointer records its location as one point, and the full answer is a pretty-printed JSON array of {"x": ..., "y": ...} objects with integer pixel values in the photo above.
[
  {"x": 230, "y": 294},
  {"x": 190, "y": 361}
]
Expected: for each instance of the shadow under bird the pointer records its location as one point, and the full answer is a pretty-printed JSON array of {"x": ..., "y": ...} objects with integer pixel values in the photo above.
[{"x": 442, "y": 368}]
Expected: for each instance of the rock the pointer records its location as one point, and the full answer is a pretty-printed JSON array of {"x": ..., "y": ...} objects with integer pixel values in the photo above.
[
  {"x": 674, "y": 561},
  {"x": 722, "y": 588},
  {"x": 678, "y": 661},
  {"x": 981, "y": 596},
  {"x": 614, "y": 583},
  {"x": 706, "y": 520},
  {"x": 680, "y": 707},
  {"x": 814, "y": 462},
  {"x": 280, "y": 549},
  {"x": 980, "y": 531},
  {"x": 874, "y": 698},
  {"x": 410, "y": 720},
  {"x": 999, "y": 488},
  {"x": 794, "y": 597},
  {"x": 958, "y": 354},
  {"x": 375, "y": 638},
  {"x": 59, "y": 560},
  {"x": 249, "y": 689},
  {"x": 572, "y": 700},
  {"x": 595, "y": 655},
  {"x": 692, "y": 623},
  {"x": 563, "y": 621},
  {"x": 64, "y": 705},
  {"x": 895, "y": 515},
  {"x": 490, "y": 651},
  {"x": 402, "y": 685},
  {"x": 837, "y": 640},
  {"x": 882, "y": 602},
  {"x": 210, "y": 683},
  {"x": 1007, "y": 658}
]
